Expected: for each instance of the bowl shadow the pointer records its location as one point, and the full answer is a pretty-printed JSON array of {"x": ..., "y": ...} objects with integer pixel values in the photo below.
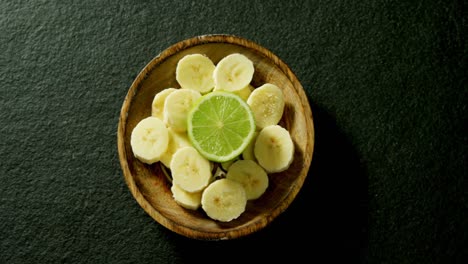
[{"x": 328, "y": 220}]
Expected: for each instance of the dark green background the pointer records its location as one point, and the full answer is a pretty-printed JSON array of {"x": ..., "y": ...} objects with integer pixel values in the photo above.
[{"x": 386, "y": 81}]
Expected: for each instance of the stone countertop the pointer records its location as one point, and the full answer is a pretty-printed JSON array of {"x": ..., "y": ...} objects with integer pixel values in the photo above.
[{"x": 387, "y": 86}]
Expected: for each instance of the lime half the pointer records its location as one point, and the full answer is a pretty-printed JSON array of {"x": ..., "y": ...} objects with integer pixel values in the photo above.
[{"x": 220, "y": 126}]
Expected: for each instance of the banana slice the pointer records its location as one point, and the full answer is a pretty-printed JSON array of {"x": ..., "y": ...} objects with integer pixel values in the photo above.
[
  {"x": 185, "y": 199},
  {"x": 274, "y": 149},
  {"x": 224, "y": 200},
  {"x": 252, "y": 176},
  {"x": 177, "y": 140},
  {"x": 190, "y": 170},
  {"x": 248, "y": 153},
  {"x": 157, "y": 107},
  {"x": 245, "y": 92},
  {"x": 195, "y": 71},
  {"x": 225, "y": 165},
  {"x": 149, "y": 140},
  {"x": 233, "y": 72},
  {"x": 267, "y": 104},
  {"x": 176, "y": 108}
]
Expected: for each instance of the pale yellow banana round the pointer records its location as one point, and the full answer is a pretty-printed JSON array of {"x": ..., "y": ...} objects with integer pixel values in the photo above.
[
  {"x": 157, "y": 106},
  {"x": 176, "y": 108},
  {"x": 190, "y": 171},
  {"x": 225, "y": 165},
  {"x": 233, "y": 72},
  {"x": 224, "y": 200},
  {"x": 267, "y": 105},
  {"x": 252, "y": 176},
  {"x": 185, "y": 199},
  {"x": 149, "y": 139},
  {"x": 274, "y": 149},
  {"x": 195, "y": 71},
  {"x": 245, "y": 92},
  {"x": 177, "y": 140}
]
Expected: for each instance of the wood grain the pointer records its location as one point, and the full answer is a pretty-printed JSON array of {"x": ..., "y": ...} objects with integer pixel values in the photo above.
[{"x": 149, "y": 185}]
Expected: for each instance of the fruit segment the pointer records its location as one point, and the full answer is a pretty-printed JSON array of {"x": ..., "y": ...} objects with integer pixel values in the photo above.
[
  {"x": 176, "y": 108},
  {"x": 195, "y": 71},
  {"x": 267, "y": 104},
  {"x": 274, "y": 149},
  {"x": 248, "y": 153},
  {"x": 233, "y": 72},
  {"x": 149, "y": 140},
  {"x": 176, "y": 141},
  {"x": 224, "y": 200},
  {"x": 220, "y": 126},
  {"x": 186, "y": 199},
  {"x": 253, "y": 178},
  {"x": 157, "y": 107},
  {"x": 245, "y": 92},
  {"x": 190, "y": 171}
]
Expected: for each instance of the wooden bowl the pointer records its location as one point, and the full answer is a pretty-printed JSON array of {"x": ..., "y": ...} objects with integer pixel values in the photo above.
[{"x": 149, "y": 185}]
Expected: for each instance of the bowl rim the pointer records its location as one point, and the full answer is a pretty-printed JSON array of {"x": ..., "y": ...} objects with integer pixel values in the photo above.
[{"x": 142, "y": 75}]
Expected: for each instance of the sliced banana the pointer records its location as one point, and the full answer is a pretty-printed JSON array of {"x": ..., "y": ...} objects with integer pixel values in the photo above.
[
  {"x": 233, "y": 72},
  {"x": 177, "y": 140},
  {"x": 248, "y": 153},
  {"x": 190, "y": 170},
  {"x": 185, "y": 199},
  {"x": 244, "y": 93},
  {"x": 267, "y": 104},
  {"x": 225, "y": 165},
  {"x": 224, "y": 200},
  {"x": 157, "y": 107},
  {"x": 274, "y": 149},
  {"x": 252, "y": 176},
  {"x": 176, "y": 108},
  {"x": 195, "y": 71},
  {"x": 149, "y": 140}
]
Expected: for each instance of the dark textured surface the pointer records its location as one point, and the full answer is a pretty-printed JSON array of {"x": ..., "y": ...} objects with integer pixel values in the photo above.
[{"x": 387, "y": 85}]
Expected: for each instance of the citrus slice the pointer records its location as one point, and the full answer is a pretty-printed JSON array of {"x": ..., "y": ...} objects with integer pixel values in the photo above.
[{"x": 220, "y": 126}]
